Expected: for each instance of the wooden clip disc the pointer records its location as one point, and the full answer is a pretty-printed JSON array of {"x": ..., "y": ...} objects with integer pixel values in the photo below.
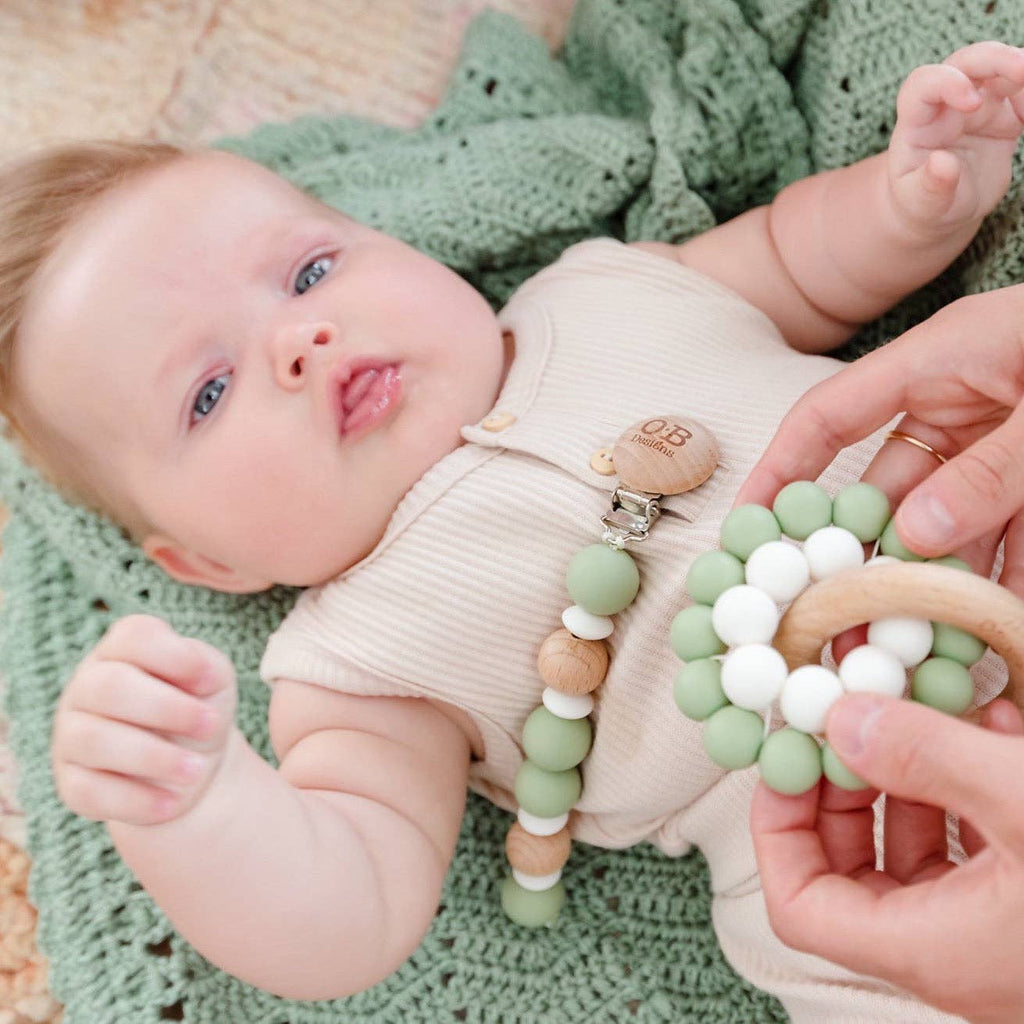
[{"x": 665, "y": 455}]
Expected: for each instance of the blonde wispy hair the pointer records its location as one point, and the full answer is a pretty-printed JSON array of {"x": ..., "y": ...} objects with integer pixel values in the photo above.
[{"x": 42, "y": 194}]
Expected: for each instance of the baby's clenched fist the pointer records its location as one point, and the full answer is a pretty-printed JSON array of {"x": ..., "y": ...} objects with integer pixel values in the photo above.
[{"x": 142, "y": 724}]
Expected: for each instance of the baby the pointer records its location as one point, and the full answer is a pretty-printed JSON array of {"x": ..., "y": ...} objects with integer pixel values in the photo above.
[{"x": 263, "y": 391}]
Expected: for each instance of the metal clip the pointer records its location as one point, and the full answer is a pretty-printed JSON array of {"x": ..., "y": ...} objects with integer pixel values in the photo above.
[{"x": 631, "y": 516}]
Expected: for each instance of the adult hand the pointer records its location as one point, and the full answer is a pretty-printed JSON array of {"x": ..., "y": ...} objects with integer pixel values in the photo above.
[
  {"x": 959, "y": 377},
  {"x": 951, "y": 934}
]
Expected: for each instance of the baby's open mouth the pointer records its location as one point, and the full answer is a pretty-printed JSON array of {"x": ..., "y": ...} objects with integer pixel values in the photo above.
[{"x": 369, "y": 390}]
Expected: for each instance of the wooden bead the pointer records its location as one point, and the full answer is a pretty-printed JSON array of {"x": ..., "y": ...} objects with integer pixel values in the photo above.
[
  {"x": 571, "y": 665},
  {"x": 665, "y": 455},
  {"x": 537, "y": 855}
]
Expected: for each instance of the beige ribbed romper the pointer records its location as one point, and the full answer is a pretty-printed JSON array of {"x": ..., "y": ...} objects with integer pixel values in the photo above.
[{"x": 469, "y": 578}]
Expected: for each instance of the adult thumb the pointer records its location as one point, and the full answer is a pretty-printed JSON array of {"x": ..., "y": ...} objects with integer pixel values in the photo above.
[
  {"x": 981, "y": 488},
  {"x": 920, "y": 754}
]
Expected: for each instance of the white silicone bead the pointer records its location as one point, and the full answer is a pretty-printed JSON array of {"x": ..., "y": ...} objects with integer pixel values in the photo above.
[
  {"x": 536, "y": 883},
  {"x": 807, "y": 695},
  {"x": 744, "y": 615},
  {"x": 586, "y": 625},
  {"x": 752, "y": 676},
  {"x": 910, "y": 640},
  {"x": 538, "y": 826},
  {"x": 565, "y": 705},
  {"x": 870, "y": 669},
  {"x": 830, "y": 550},
  {"x": 882, "y": 560},
  {"x": 779, "y": 569}
]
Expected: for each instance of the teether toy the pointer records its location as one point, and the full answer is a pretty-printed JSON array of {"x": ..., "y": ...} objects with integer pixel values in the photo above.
[{"x": 743, "y": 659}]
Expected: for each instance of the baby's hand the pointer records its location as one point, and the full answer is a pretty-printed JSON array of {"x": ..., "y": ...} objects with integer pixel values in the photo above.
[
  {"x": 142, "y": 724},
  {"x": 957, "y": 127}
]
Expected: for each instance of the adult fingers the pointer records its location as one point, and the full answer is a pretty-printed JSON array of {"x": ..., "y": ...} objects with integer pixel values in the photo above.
[
  {"x": 846, "y": 641},
  {"x": 789, "y": 847},
  {"x": 899, "y": 466},
  {"x": 915, "y": 841},
  {"x": 835, "y": 413},
  {"x": 1012, "y": 575},
  {"x": 846, "y": 827},
  {"x": 919, "y": 754},
  {"x": 977, "y": 490},
  {"x": 999, "y": 716},
  {"x": 804, "y": 896}
]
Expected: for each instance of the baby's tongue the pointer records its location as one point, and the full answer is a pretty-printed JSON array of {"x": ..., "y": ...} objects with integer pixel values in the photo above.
[{"x": 357, "y": 388}]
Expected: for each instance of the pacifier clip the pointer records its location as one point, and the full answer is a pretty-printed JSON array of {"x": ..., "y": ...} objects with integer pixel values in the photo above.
[{"x": 658, "y": 456}]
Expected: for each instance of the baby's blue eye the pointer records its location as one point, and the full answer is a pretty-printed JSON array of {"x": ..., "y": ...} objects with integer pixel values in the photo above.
[
  {"x": 209, "y": 396},
  {"x": 311, "y": 273}
]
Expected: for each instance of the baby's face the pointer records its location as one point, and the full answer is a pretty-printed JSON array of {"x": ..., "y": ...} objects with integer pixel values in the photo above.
[{"x": 260, "y": 378}]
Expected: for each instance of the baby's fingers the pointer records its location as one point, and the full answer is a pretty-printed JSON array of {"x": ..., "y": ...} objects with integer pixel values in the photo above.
[
  {"x": 995, "y": 66},
  {"x": 929, "y": 91},
  {"x": 153, "y": 646},
  {"x": 104, "y": 796},
  {"x": 90, "y": 741},
  {"x": 119, "y": 691}
]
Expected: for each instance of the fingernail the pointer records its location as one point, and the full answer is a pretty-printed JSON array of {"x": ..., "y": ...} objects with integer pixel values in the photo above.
[
  {"x": 926, "y": 520},
  {"x": 852, "y": 724}
]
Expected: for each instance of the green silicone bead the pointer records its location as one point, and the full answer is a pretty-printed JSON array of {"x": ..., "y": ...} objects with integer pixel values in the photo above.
[
  {"x": 698, "y": 689},
  {"x": 554, "y": 743},
  {"x": 952, "y": 561},
  {"x": 712, "y": 573},
  {"x": 801, "y": 508},
  {"x": 943, "y": 684},
  {"x": 732, "y": 737},
  {"x": 790, "y": 762},
  {"x": 837, "y": 773},
  {"x": 531, "y": 909},
  {"x": 547, "y": 794},
  {"x": 863, "y": 510},
  {"x": 602, "y": 580},
  {"x": 692, "y": 636},
  {"x": 748, "y": 527},
  {"x": 892, "y": 545},
  {"x": 956, "y": 644}
]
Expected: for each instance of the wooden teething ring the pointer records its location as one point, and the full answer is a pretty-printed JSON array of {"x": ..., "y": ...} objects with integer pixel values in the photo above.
[{"x": 926, "y": 591}]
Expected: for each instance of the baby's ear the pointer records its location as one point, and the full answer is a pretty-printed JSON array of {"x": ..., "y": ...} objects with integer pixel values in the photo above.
[{"x": 190, "y": 567}]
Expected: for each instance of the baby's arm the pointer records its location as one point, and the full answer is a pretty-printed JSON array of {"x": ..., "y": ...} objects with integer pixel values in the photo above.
[
  {"x": 313, "y": 881},
  {"x": 839, "y": 248}
]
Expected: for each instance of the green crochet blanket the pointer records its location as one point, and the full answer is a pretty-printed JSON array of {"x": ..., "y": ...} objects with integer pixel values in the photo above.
[{"x": 659, "y": 118}]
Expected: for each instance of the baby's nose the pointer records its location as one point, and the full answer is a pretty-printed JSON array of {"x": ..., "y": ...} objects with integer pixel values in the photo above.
[{"x": 293, "y": 344}]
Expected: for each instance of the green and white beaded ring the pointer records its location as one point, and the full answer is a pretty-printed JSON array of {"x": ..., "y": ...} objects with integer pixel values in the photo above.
[{"x": 733, "y": 677}]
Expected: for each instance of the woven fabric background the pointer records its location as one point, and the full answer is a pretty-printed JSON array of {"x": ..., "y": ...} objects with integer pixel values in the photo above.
[{"x": 664, "y": 116}]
